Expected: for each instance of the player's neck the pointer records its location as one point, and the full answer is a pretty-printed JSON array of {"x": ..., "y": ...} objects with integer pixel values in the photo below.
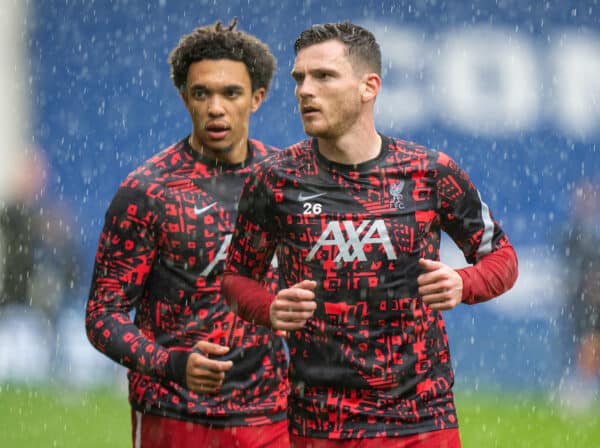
[
  {"x": 357, "y": 146},
  {"x": 232, "y": 155}
]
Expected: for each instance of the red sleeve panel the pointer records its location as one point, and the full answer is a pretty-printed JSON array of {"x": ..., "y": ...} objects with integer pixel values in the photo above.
[
  {"x": 248, "y": 298},
  {"x": 492, "y": 275}
]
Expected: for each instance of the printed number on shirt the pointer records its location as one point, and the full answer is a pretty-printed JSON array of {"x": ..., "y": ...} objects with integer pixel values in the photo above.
[{"x": 312, "y": 208}]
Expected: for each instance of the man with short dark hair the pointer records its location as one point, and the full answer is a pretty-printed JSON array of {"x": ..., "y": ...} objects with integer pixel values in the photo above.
[
  {"x": 198, "y": 374},
  {"x": 357, "y": 217}
]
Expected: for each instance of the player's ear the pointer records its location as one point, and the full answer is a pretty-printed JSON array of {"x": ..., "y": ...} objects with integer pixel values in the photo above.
[
  {"x": 258, "y": 97},
  {"x": 371, "y": 83}
]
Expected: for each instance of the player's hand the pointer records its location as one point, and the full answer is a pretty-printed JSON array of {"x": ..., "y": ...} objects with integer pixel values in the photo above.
[
  {"x": 292, "y": 307},
  {"x": 588, "y": 359},
  {"x": 440, "y": 286},
  {"x": 204, "y": 375}
]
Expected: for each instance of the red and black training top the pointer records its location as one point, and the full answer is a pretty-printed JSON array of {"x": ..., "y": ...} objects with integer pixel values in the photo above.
[
  {"x": 374, "y": 359},
  {"x": 161, "y": 255}
]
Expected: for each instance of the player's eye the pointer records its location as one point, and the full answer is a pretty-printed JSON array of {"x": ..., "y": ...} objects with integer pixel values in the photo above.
[
  {"x": 199, "y": 94},
  {"x": 323, "y": 75},
  {"x": 298, "y": 78},
  {"x": 232, "y": 93}
]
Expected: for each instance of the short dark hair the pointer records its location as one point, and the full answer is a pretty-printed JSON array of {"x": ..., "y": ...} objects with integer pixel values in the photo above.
[
  {"x": 222, "y": 42},
  {"x": 360, "y": 42}
]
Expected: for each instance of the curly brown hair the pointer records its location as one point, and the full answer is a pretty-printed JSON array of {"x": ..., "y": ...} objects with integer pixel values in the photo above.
[
  {"x": 361, "y": 44},
  {"x": 222, "y": 42}
]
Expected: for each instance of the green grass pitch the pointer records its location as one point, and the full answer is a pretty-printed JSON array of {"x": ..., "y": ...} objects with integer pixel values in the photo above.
[{"x": 61, "y": 417}]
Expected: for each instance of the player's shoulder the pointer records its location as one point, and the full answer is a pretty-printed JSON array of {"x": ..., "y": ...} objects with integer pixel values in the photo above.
[
  {"x": 407, "y": 148},
  {"x": 147, "y": 180},
  {"x": 261, "y": 150},
  {"x": 156, "y": 166},
  {"x": 290, "y": 155},
  {"x": 298, "y": 151}
]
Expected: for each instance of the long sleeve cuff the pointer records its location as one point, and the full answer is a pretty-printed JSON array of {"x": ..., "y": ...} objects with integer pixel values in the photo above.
[{"x": 176, "y": 364}]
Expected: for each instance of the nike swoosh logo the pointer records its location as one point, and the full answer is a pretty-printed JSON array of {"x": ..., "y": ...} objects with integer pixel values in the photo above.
[
  {"x": 199, "y": 211},
  {"x": 303, "y": 198}
]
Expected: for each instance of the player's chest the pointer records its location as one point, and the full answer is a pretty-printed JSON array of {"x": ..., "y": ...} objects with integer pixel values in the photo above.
[
  {"x": 397, "y": 197},
  {"x": 361, "y": 220},
  {"x": 198, "y": 218}
]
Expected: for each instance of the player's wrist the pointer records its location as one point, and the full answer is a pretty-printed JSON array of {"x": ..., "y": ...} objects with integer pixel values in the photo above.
[{"x": 176, "y": 366}]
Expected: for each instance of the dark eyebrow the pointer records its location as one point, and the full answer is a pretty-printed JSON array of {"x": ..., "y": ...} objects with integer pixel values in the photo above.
[
  {"x": 198, "y": 87},
  {"x": 324, "y": 71},
  {"x": 233, "y": 87},
  {"x": 227, "y": 88}
]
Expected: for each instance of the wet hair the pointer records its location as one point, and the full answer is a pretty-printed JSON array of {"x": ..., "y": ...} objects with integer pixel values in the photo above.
[
  {"x": 361, "y": 43},
  {"x": 216, "y": 42}
]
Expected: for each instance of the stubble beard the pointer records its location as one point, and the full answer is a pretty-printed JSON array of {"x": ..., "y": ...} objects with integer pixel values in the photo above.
[
  {"x": 335, "y": 130},
  {"x": 325, "y": 132}
]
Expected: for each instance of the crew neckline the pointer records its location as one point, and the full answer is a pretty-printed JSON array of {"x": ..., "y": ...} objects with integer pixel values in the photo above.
[
  {"x": 363, "y": 166},
  {"x": 215, "y": 162}
]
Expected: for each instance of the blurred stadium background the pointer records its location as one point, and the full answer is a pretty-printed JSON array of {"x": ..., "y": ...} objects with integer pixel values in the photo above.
[{"x": 509, "y": 89}]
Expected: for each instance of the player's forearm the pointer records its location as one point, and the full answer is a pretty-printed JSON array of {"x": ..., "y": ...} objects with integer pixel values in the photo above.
[
  {"x": 494, "y": 274},
  {"x": 111, "y": 331},
  {"x": 248, "y": 298}
]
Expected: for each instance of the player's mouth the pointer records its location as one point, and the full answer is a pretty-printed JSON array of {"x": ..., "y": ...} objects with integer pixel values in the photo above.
[
  {"x": 217, "y": 131},
  {"x": 309, "y": 111}
]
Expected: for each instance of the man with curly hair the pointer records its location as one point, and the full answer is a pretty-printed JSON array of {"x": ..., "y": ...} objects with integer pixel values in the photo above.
[
  {"x": 198, "y": 374},
  {"x": 358, "y": 217}
]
